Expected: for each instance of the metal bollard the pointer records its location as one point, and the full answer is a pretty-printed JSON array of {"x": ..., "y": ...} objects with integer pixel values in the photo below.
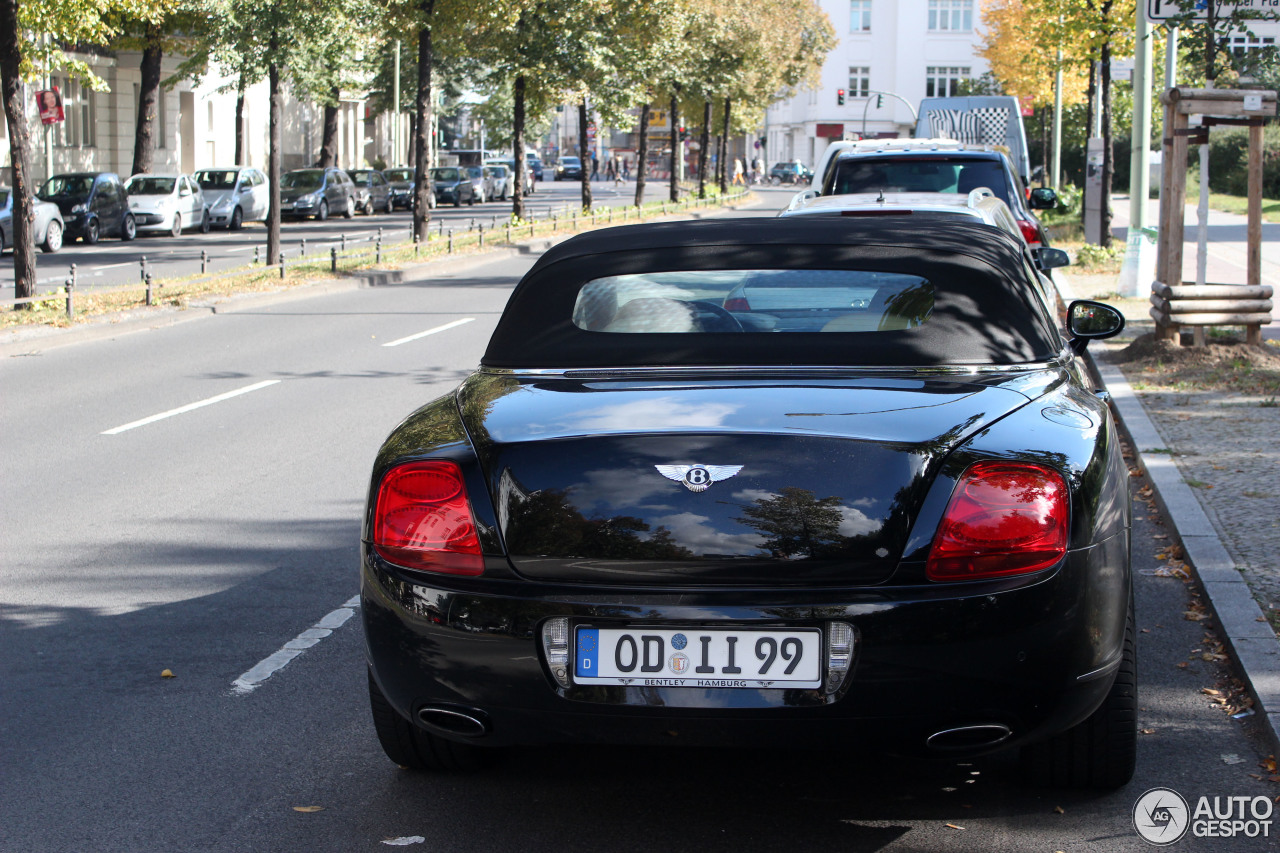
[
  {"x": 148, "y": 280},
  {"x": 142, "y": 264},
  {"x": 416, "y": 244},
  {"x": 494, "y": 224},
  {"x": 441, "y": 221},
  {"x": 204, "y": 262},
  {"x": 451, "y": 241},
  {"x": 508, "y": 232},
  {"x": 302, "y": 251},
  {"x": 333, "y": 258},
  {"x": 377, "y": 250},
  {"x": 282, "y": 265},
  {"x": 74, "y": 279},
  {"x": 256, "y": 260},
  {"x": 343, "y": 237},
  {"x": 71, "y": 288},
  {"x": 379, "y": 233},
  {"x": 481, "y": 228}
]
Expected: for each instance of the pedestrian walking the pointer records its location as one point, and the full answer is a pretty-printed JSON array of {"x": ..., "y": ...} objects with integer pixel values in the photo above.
[
  {"x": 595, "y": 167},
  {"x": 626, "y": 169},
  {"x": 611, "y": 169},
  {"x": 737, "y": 172}
]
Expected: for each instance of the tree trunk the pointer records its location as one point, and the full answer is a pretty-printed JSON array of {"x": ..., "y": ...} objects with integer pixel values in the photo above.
[
  {"x": 517, "y": 133},
  {"x": 724, "y": 147},
  {"x": 408, "y": 152},
  {"x": 241, "y": 136},
  {"x": 422, "y": 187},
  {"x": 329, "y": 144},
  {"x": 583, "y": 151},
  {"x": 1108, "y": 155},
  {"x": 702, "y": 149},
  {"x": 273, "y": 156},
  {"x": 719, "y": 176},
  {"x": 642, "y": 153},
  {"x": 15, "y": 113},
  {"x": 144, "y": 137},
  {"x": 673, "y": 183}
]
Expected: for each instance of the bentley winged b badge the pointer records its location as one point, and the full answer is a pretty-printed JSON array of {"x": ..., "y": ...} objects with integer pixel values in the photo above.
[{"x": 697, "y": 478}]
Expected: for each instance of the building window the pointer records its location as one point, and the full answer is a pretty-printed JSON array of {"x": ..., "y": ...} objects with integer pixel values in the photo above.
[
  {"x": 951, "y": 15},
  {"x": 79, "y": 104},
  {"x": 1248, "y": 51},
  {"x": 859, "y": 16},
  {"x": 944, "y": 81},
  {"x": 859, "y": 82}
]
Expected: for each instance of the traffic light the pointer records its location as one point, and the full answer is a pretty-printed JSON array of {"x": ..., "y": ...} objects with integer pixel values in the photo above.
[
  {"x": 684, "y": 134},
  {"x": 840, "y": 97},
  {"x": 879, "y": 101}
]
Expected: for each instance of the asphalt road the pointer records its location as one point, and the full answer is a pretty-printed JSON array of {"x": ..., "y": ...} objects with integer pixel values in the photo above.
[
  {"x": 113, "y": 262},
  {"x": 205, "y": 540}
]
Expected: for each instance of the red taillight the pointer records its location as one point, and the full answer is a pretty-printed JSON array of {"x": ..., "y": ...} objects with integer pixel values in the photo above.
[
  {"x": 1030, "y": 232},
  {"x": 422, "y": 519},
  {"x": 1005, "y": 518},
  {"x": 737, "y": 303}
]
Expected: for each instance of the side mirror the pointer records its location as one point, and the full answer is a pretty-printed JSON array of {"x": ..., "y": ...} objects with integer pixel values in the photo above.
[
  {"x": 1050, "y": 259},
  {"x": 1090, "y": 321},
  {"x": 1043, "y": 198}
]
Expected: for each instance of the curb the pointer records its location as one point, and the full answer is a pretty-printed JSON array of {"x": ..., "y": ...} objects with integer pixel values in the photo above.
[{"x": 1246, "y": 631}]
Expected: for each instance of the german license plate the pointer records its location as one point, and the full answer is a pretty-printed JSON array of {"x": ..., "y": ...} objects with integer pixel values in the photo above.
[{"x": 694, "y": 657}]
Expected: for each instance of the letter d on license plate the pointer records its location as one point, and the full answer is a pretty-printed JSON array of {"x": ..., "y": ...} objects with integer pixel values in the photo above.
[{"x": 696, "y": 657}]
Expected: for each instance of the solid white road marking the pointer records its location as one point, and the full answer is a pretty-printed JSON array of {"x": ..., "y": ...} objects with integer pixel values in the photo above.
[
  {"x": 114, "y": 266},
  {"x": 272, "y": 664},
  {"x": 452, "y": 325},
  {"x": 192, "y": 406}
]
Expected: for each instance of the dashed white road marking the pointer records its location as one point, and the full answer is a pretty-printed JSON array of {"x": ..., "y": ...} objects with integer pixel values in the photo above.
[
  {"x": 272, "y": 664},
  {"x": 192, "y": 406},
  {"x": 446, "y": 326}
]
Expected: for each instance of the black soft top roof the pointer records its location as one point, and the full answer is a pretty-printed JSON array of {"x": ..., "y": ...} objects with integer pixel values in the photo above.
[{"x": 987, "y": 309}]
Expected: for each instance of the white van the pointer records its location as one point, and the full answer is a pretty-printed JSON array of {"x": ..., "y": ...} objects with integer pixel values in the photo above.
[{"x": 978, "y": 120}]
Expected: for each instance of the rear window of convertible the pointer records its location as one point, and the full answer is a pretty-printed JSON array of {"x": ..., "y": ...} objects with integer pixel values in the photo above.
[{"x": 735, "y": 301}]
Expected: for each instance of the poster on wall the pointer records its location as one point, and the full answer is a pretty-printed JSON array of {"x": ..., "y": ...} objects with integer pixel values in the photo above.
[{"x": 50, "y": 101}]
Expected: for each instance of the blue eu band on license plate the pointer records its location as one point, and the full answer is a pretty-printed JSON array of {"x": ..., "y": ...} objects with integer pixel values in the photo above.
[{"x": 692, "y": 657}]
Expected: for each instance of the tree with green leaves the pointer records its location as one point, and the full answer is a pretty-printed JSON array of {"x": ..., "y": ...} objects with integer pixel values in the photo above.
[
  {"x": 32, "y": 36},
  {"x": 1213, "y": 33}
]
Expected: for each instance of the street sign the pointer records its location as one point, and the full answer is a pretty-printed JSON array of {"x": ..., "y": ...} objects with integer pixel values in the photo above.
[{"x": 1159, "y": 11}]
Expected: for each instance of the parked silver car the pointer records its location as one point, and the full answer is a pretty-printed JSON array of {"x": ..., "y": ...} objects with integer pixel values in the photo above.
[
  {"x": 373, "y": 193},
  {"x": 47, "y": 227},
  {"x": 165, "y": 204},
  {"x": 235, "y": 195}
]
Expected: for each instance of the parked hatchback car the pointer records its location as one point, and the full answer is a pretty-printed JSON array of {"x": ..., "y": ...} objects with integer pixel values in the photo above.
[
  {"x": 93, "y": 205},
  {"x": 47, "y": 228},
  {"x": 317, "y": 193},
  {"x": 661, "y": 514},
  {"x": 482, "y": 182},
  {"x": 235, "y": 195},
  {"x": 166, "y": 204},
  {"x": 373, "y": 193},
  {"x": 790, "y": 172},
  {"x": 401, "y": 183},
  {"x": 452, "y": 185}
]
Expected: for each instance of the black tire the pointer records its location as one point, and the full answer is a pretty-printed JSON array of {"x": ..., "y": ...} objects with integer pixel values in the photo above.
[
  {"x": 129, "y": 229},
  {"x": 351, "y": 208},
  {"x": 1101, "y": 751},
  {"x": 205, "y": 224},
  {"x": 237, "y": 219},
  {"x": 176, "y": 229},
  {"x": 323, "y": 213},
  {"x": 417, "y": 749},
  {"x": 52, "y": 238},
  {"x": 92, "y": 232}
]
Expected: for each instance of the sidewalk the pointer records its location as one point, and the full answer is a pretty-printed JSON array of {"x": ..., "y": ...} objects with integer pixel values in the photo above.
[{"x": 1213, "y": 460}]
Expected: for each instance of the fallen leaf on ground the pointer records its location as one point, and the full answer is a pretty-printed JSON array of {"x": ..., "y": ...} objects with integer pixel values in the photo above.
[
  {"x": 1147, "y": 731},
  {"x": 1268, "y": 764},
  {"x": 167, "y": 673},
  {"x": 308, "y": 809},
  {"x": 1059, "y": 810},
  {"x": 1209, "y": 691},
  {"x": 1231, "y": 758},
  {"x": 953, "y": 826},
  {"x": 1183, "y": 665}
]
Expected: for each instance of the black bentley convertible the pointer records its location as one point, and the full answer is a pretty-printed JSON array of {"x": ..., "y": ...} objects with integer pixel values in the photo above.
[{"x": 816, "y": 483}]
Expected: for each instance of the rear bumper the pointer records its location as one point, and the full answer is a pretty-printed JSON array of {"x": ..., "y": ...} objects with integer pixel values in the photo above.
[{"x": 1035, "y": 658}]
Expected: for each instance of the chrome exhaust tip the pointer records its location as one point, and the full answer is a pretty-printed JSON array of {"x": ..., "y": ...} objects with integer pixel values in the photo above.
[
  {"x": 969, "y": 737},
  {"x": 454, "y": 721}
]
